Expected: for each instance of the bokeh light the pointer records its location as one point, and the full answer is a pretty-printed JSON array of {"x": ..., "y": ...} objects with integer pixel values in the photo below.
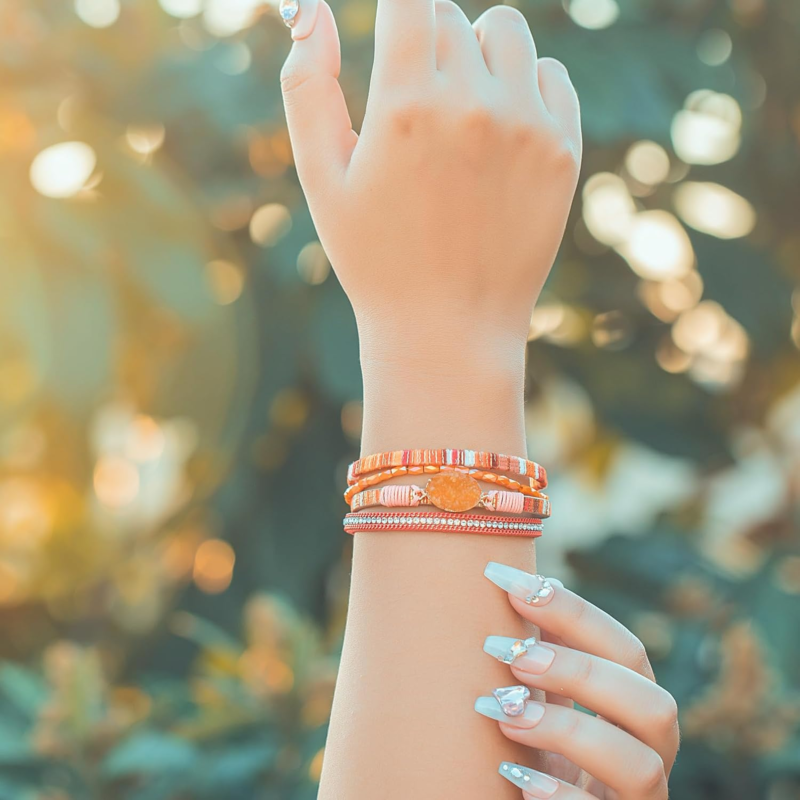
[
  {"x": 62, "y": 170},
  {"x": 658, "y": 248},
  {"x": 708, "y": 128},
  {"x": 213, "y": 566},
  {"x": 714, "y": 209},
  {"x": 608, "y": 208},
  {"x": 647, "y": 162},
  {"x": 225, "y": 280},
  {"x": 312, "y": 264},
  {"x": 593, "y": 14},
  {"x": 269, "y": 224},
  {"x": 183, "y": 9},
  {"x": 98, "y": 13}
]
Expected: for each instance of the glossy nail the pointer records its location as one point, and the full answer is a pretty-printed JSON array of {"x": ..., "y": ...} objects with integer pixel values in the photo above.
[
  {"x": 489, "y": 707},
  {"x": 536, "y": 784},
  {"x": 533, "y": 589},
  {"x": 300, "y": 16},
  {"x": 525, "y": 654}
]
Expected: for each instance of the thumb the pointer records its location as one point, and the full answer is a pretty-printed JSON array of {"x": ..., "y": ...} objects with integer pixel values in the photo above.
[{"x": 316, "y": 112}]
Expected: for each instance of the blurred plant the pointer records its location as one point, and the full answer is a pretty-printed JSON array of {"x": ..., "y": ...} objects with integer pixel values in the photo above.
[{"x": 249, "y": 722}]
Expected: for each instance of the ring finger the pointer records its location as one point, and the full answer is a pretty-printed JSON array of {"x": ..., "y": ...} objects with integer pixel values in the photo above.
[
  {"x": 622, "y": 696},
  {"x": 624, "y": 764}
]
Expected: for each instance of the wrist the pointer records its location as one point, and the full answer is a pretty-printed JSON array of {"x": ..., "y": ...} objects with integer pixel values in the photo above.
[{"x": 455, "y": 390}]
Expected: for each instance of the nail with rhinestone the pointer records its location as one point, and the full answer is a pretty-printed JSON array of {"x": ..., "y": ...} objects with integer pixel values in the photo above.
[
  {"x": 506, "y": 649},
  {"x": 533, "y": 589},
  {"x": 512, "y": 699},
  {"x": 288, "y": 10},
  {"x": 534, "y": 783},
  {"x": 490, "y": 706},
  {"x": 300, "y": 16}
]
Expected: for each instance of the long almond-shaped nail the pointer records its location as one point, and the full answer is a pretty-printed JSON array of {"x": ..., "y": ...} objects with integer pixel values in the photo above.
[
  {"x": 489, "y": 707},
  {"x": 536, "y": 784},
  {"x": 300, "y": 16},
  {"x": 529, "y": 654},
  {"x": 533, "y": 589}
]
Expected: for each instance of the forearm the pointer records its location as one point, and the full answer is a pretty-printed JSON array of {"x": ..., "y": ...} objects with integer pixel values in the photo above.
[{"x": 403, "y": 723}]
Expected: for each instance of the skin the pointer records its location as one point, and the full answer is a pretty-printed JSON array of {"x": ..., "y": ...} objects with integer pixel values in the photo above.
[{"x": 442, "y": 219}]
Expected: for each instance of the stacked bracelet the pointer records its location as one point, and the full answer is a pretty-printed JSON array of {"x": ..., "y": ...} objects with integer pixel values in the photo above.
[
  {"x": 404, "y": 496},
  {"x": 451, "y": 458},
  {"x": 440, "y": 522}
]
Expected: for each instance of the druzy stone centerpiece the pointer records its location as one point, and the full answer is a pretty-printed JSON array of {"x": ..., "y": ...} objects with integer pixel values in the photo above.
[
  {"x": 512, "y": 699},
  {"x": 288, "y": 10},
  {"x": 453, "y": 491}
]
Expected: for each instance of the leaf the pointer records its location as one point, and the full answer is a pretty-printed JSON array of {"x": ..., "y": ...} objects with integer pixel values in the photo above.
[
  {"x": 151, "y": 753},
  {"x": 23, "y": 689}
]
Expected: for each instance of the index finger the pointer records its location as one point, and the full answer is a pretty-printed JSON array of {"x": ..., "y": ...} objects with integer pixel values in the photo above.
[
  {"x": 405, "y": 37},
  {"x": 575, "y": 621}
]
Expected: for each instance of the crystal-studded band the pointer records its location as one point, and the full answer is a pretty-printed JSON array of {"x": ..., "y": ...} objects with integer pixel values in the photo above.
[
  {"x": 441, "y": 522},
  {"x": 452, "y": 458}
]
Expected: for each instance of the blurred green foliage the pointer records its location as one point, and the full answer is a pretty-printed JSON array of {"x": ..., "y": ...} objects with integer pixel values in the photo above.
[{"x": 176, "y": 359}]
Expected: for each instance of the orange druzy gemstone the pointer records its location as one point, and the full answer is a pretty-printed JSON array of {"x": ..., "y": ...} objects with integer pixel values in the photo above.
[{"x": 453, "y": 491}]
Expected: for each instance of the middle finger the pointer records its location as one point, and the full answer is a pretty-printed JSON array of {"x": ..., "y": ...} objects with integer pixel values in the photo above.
[{"x": 624, "y": 697}]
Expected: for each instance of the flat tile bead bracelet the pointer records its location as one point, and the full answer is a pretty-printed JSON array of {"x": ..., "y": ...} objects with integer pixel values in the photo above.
[
  {"x": 496, "y": 462},
  {"x": 451, "y": 498}
]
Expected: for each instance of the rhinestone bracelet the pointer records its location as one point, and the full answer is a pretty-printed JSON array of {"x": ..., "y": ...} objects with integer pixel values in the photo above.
[
  {"x": 441, "y": 522},
  {"x": 477, "y": 474},
  {"x": 452, "y": 458},
  {"x": 454, "y": 498}
]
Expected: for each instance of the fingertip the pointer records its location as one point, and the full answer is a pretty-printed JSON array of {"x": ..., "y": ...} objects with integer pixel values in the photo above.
[{"x": 306, "y": 20}]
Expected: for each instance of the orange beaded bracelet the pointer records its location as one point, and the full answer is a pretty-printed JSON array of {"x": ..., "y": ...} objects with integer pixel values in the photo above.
[{"x": 451, "y": 458}]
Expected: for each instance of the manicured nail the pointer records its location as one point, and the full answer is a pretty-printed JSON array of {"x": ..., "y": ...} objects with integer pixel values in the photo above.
[
  {"x": 533, "y": 589},
  {"x": 300, "y": 16},
  {"x": 525, "y": 654},
  {"x": 489, "y": 707},
  {"x": 536, "y": 784}
]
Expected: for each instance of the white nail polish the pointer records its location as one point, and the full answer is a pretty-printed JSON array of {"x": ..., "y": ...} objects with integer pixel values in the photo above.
[
  {"x": 536, "y": 784},
  {"x": 533, "y": 589}
]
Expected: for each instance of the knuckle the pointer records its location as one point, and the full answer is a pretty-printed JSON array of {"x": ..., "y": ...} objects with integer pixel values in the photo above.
[
  {"x": 650, "y": 779},
  {"x": 477, "y": 119},
  {"x": 636, "y": 657},
  {"x": 570, "y": 723},
  {"x": 584, "y": 670},
  {"x": 564, "y": 155},
  {"x": 409, "y": 114},
  {"x": 293, "y": 78},
  {"x": 665, "y": 715}
]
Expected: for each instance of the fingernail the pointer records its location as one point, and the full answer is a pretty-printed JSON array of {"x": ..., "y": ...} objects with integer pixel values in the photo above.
[
  {"x": 533, "y": 589},
  {"x": 489, "y": 707},
  {"x": 526, "y": 654},
  {"x": 536, "y": 784},
  {"x": 300, "y": 16}
]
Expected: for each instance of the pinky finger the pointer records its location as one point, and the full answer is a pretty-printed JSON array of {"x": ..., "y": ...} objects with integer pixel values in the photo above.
[
  {"x": 560, "y": 97},
  {"x": 538, "y": 786}
]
